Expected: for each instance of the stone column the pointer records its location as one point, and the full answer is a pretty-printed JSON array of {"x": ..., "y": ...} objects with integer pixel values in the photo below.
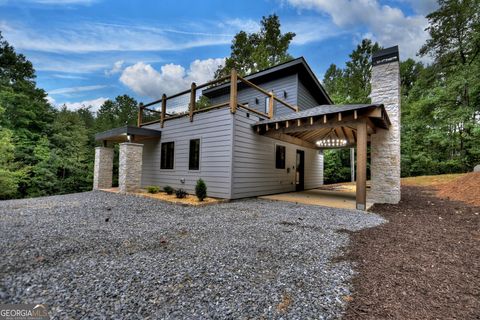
[
  {"x": 130, "y": 167},
  {"x": 103, "y": 168},
  {"x": 385, "y": 144}
]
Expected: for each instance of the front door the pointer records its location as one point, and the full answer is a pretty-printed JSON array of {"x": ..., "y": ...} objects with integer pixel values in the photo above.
[{"x": 300, "y": 172}]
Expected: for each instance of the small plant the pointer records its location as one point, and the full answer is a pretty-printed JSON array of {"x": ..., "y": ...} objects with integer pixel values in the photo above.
[
  {"x": 168, "y": 190},
  {"x": 180, "y": 193},
  {"x": 153, "y": 189},
  {"x": 201, "y": 190}
]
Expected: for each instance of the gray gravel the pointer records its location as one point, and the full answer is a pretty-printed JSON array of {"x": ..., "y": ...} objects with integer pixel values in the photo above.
[{"x": 103, "y": 255}]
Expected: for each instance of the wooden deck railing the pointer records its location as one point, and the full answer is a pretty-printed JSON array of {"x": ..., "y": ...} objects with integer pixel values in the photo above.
[{"x": 232, "y": 103}]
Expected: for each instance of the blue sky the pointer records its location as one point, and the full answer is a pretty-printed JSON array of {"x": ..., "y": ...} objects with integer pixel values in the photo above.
[{"x": 86, "y": 51}]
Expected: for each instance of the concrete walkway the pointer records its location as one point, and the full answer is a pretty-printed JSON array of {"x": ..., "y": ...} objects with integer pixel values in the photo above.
[{"x": 330, "y": 196}]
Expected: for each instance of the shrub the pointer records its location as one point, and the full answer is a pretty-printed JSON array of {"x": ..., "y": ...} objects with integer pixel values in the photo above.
[
  {"x": 201, "y": 189},
  {"x": 180, "y": 193},
  {"x": 153, "y": 189},
  {"x": 168, "y": 190}
]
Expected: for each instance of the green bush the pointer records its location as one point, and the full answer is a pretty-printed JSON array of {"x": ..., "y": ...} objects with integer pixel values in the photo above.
[
  {"x": 201, "y": 189},
  {"x": 153, "y": 189},
  {"x": 180, "y": 193},
  {"x": 168, "y": 190}
]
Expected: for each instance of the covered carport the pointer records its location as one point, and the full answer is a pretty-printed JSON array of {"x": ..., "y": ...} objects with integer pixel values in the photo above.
[{"x": 332, "y": 126}]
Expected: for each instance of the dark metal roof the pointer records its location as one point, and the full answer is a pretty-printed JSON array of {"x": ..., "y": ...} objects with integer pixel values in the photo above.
[
  {"x": 320, "y": 111},
  {"x": 121, "y": 133},
  {"x": 299, "y": 66},
  {"x": 385, "y": 56}
]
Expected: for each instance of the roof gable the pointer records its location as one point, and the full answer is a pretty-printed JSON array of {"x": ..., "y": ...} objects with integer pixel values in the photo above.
[{"x": 296, "y": 66}]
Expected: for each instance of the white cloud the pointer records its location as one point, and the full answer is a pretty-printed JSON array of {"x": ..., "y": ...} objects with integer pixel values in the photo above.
[
  {"x": 70, "y": 90},
  {"x": 95, "y": 104},
  {"x": 146, "y": 81},
  {"x": 100, "y": 37},
  {"x": 388, "y": 25},
  {"x": 51, "y": 100},
  {"x": 117, "y": 68},
  {"x": 247, "y": 25},
  {"x": 51, "y": 2},
  {"x": 422, "y": 6},
  {"x": 68, "y": 76}
]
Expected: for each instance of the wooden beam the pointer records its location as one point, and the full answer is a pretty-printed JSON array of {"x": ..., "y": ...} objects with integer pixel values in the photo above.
[
  {"x": 276, "y": 126},
  {"x": 140, "y": 115},
  {"x": 286, "y": 124},
  {"x": 271, "y": 100},
  {"x": 164, "y": 109},
  {"x": 233, "y": 91},
  {"x": 361, "y": 194},
  {"x": 339, "y": 116},
  {"x": 292, "y": 140},
  {"x": 193, "y": 96},
  {"x": 355, "y": 116},
  {"x": 299, "y": 122},
  {"x": 332, "y": 123},
  {"x": 324, "y": 118},
  {"x": 311, "y": 120}
]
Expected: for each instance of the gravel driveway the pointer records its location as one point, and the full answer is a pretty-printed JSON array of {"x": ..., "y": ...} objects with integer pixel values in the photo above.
[{"x": 104, "y": 255}]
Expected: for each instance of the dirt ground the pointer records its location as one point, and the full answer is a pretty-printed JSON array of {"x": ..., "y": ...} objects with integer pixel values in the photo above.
[{"x": 423, "y": 264}]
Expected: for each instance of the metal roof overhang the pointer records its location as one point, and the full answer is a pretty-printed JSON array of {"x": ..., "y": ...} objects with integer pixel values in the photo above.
[
  {"x": 121, "y": 134},
  {"x": 306, "y": 127}
]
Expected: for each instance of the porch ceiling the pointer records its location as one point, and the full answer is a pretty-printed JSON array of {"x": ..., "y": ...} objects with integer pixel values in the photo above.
[
  {"x": 307, "y": 127},
  {"x": 121, "y": 134}
]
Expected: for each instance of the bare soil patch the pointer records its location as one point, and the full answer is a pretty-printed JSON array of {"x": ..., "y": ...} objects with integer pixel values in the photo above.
[
  {"x": 466, "y": 188},
  {"x": 423, "y": 264}
]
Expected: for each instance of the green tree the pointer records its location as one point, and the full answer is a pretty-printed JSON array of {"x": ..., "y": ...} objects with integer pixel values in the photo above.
[
  {"x": 257, "y": 51},
  {"x": 72, "y": 148},
  {"x": 120, "y": 112}
]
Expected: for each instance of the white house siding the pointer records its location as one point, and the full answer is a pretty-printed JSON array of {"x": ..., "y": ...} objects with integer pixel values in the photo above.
[
  {"x": 254, "y": 171},
  {"x": 248, "y": 95},
  {"x": 305, "y": 98},
  {"x": 214, "y": 129}
]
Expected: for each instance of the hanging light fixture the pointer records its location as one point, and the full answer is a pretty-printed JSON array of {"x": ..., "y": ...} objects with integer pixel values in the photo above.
[{"x": 331, "y": 141}]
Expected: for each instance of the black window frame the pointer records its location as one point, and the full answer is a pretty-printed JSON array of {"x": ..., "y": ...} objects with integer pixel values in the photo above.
[
  {"x": 194, "y": 162},
  {"x": 279, "y": 162},
  {"x": 167, "y": 163}
]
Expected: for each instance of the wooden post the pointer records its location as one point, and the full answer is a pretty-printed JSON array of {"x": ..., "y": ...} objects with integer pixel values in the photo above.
[
  {"x": 361, "y": 165},
  {"x": 164, "y": 109},
  {"x": 193, "y": 96},
  {"x": 233, "y": 91},
  {"x": 270, "y": 105},
  {"x": 140, "y": 115}
]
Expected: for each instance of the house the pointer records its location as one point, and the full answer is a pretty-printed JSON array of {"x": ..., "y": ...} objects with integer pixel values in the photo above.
[{"x": 260, "y": 134}]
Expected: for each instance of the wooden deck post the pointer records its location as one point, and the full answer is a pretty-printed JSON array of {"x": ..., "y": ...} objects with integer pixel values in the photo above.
[
  {"x": 361, "y": 195},
  {"x": 193, "y": 96},
  {"x": 140, "y": 115},
  {"x": 233, "y": 91},
  {"x": 270, "y": 105},
  {"x": 164, "y": 109}
]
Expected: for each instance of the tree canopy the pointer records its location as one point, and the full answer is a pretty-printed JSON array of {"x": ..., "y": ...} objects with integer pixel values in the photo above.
[{"x": 251, "y": 52}]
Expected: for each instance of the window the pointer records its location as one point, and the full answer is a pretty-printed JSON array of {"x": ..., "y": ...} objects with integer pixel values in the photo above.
[
  {"x": 168, "y": 151},
  {"x": 194, "y": 155},
  {"x": 280, "y": 157},
  {"x": 267, "y": 102}
]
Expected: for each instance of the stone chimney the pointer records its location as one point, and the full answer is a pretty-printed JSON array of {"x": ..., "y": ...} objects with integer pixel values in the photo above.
[{"x": 385, "y": 144}]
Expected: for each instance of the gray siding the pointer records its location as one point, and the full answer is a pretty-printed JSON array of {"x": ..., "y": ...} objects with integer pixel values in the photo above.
[
  {"x": 248, "y": 95},
  {"x": 254, "y": 171},
  {"x": 305, "y": 98},
  {"x": 214, "y": 129}
]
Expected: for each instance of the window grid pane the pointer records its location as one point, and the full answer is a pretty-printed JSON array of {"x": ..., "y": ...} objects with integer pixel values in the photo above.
[{"x": 194, "y": 155}]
